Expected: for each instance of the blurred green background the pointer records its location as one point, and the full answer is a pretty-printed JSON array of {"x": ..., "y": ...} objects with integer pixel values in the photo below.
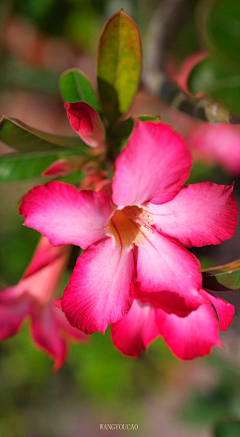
[{"x": 163, "y": 395}]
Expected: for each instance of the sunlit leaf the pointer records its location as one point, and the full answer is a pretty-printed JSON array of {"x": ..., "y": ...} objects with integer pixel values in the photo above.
[
  {"x": 24, "y": 138},
  {"x": 75, "y": 87},
  {"x": 218, "y": 80},
  {"x": 220, "y": 278},
  {"x": 119, "y": 64}
]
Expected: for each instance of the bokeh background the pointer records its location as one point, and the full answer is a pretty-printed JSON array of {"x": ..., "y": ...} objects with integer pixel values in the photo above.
[{"x": 163, "y": 395}]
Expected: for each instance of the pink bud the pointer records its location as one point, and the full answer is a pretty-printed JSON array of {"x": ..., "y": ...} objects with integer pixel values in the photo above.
[
  {"x": 64, "y": 166},
  {"x": 86, "y": 122}
]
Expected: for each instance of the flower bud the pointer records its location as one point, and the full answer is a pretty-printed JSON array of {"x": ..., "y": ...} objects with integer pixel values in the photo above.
[{"x": 86, "y": 122}]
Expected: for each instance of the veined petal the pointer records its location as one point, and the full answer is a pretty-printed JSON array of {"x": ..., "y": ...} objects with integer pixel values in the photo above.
[
  {"x": 68, "y": 330},
  {"x": 46, "y": 335},
  {"x": 136, "y": 330},
  {"x": 98, "y": 292},
  {"x": 168, "y": 275},
  {"x": 152, "y": 167},
  {"x": 191, "y": 336},
  {"x": 199, "y": 214},
  {"x": 66, "y": 216},
  {"x": 225, "y": 310}
]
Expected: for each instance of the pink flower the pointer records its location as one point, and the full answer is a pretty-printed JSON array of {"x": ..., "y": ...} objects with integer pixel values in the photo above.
[
  {"x": 216, "y": 144},
  {"x": 33, "y": 297},
  {"x": 187, "y": 337},
  {"x": 135, "y": 240}
]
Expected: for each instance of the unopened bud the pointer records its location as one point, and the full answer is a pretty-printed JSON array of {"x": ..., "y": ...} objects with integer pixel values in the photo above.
[{"x": 86, "y": 122}]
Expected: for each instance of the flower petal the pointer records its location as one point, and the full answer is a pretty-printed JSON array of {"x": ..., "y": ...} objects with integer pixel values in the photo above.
[
  {"x": 224, "y": 309},
  {"x": 136, "y": 330},
  {"x": 152, "y": 167},
  {"x": 46, "y": 335},
  {"x": 168, "y": 275},
  {"x": 13, "y": 310},
  {"x": 44, "y": 255},
  {"x": 68, "y": 330},
  {"x": 199, "y": 214},
  {"x": 191, "y": 336},
  {"x": 66, "y": 216},
  {"x": 98, "y": 292}
]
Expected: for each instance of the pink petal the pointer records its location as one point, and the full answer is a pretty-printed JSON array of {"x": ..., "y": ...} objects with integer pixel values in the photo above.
[
  {"x": 98, "y": 292},
  {"x": 224, "y": 309},
  {"x": 47, "y": 336},
  {"x": 168, "y": 275},
  {"x": 199, "y": 214},
  {"x": 152, "y": 167},
  {"x": 68, "y": 331},
  {"x": 86, "y": 122},
  {"x": 64, "y": 166},
  {"x": 66, "y": 216},
  {"x": 136, "y": 330},
  {"x": 191, "y": 336},
  {"x": 44, "y": 255},
  {"x": 13, "y": 311},
  {"x": 43, "y": 284},
  {"x": 186, "y": 68}
]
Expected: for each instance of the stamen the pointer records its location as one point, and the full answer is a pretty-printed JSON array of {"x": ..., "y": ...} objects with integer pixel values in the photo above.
[{"x": 125, "y": 225}]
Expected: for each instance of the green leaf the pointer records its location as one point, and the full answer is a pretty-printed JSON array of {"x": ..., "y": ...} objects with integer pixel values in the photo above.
[
  {"x": 228, "y": 429},
  {"x": 218, "y": 80},
  {"x": 222, "y": 278},
  {"x": 223, "y": 28},
  {"x": 24, "y": 166},
  {"x": 75, "y": 87},
  {"x": 119, "y": 65},
  {"x": 24, "y": 138},
  {"x": 73, "y": 178}
]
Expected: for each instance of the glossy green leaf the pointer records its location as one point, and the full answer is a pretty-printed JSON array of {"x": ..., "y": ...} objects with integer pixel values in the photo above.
[
  {"x": 228, "y": 429},
  {"x": 220, "y": 278},
  {"x": 223, "y": 28},
  {"x": 24, "y": 138},
  {"x": 119, "y": 65},
  {"x": 75, "y": 87},
  {"x": 24, "y": 166},
  {"x": 217, "y": 80}
]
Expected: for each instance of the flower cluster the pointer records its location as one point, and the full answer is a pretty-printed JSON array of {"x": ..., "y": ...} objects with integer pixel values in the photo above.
[{"x": 135, "y": 271}]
